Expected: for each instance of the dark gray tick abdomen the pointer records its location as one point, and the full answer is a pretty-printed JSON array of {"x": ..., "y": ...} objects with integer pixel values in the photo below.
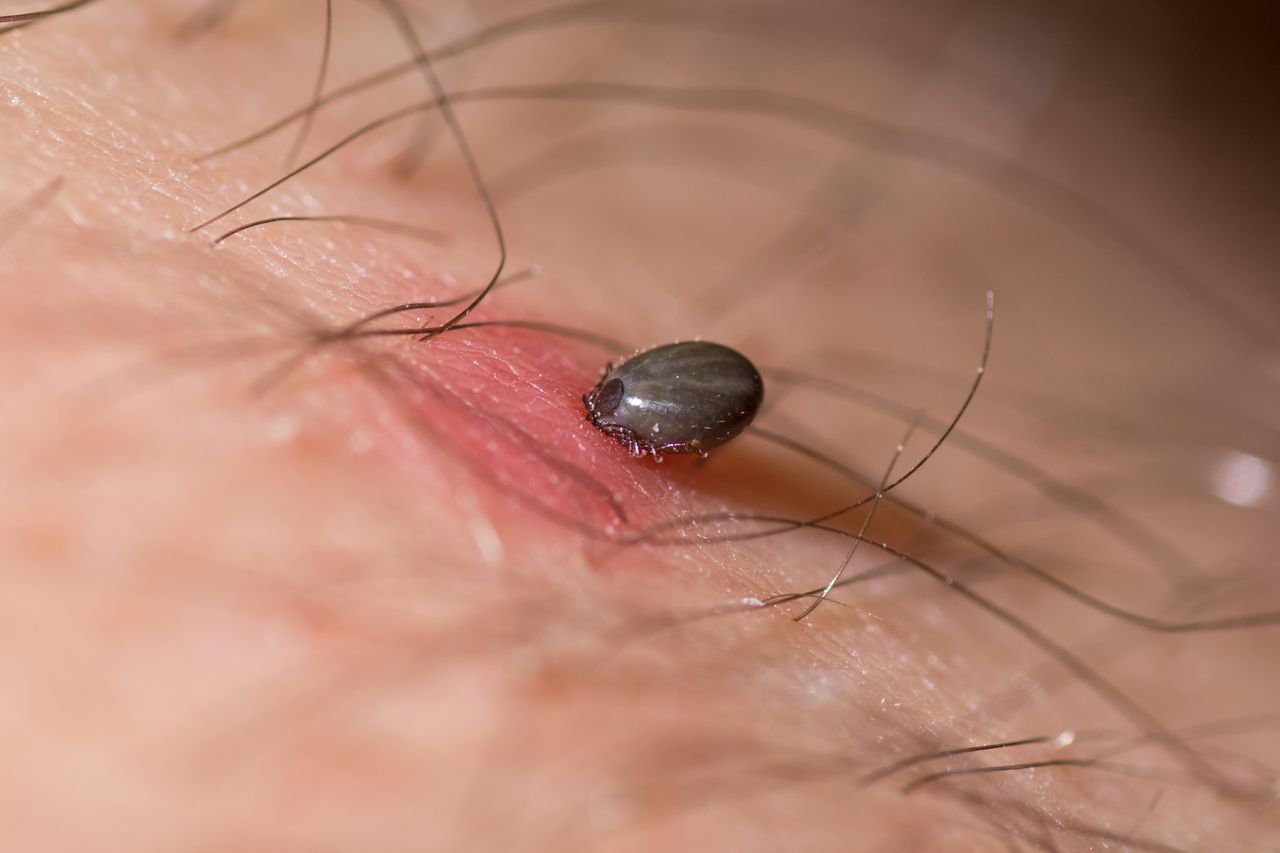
[{"x": 685, "y": 397}]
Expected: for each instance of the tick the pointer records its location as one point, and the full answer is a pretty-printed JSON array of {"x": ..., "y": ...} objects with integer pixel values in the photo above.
[{"x": 686, "y": 397}]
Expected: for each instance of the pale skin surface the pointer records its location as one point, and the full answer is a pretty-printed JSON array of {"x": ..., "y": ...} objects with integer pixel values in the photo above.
[{"x": 302, "y": 617}]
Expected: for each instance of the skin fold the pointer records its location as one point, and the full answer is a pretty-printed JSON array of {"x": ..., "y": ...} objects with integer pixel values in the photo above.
[{"x": 264, "y": 593}]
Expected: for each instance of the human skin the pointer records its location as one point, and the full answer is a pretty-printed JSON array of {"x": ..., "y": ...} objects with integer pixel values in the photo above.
[{"x": 387, "y": 600}]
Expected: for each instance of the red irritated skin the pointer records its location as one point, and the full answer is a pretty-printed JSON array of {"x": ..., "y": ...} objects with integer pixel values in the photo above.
[
  {"x": 393, "y": 595},
  {"x": 508, "y": 403}
]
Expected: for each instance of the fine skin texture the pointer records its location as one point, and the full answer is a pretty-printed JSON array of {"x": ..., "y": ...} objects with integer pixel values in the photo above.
[{"x": 382, "y": 598}]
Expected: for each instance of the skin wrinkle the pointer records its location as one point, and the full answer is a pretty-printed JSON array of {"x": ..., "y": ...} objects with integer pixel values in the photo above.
[{"x": 265, "y": 623}]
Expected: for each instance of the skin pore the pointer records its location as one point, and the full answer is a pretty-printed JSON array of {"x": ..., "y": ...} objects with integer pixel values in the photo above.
[{"x": 395, "y": 595}]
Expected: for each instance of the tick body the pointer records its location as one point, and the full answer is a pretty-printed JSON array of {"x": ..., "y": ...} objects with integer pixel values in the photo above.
[{"x": 686, "y": 397}]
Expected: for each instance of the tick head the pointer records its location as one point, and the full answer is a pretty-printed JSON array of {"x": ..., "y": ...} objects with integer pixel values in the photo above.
[{"x": 604, "y": 399}]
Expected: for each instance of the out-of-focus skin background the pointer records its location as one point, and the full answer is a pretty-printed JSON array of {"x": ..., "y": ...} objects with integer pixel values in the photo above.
[{"x": 337, "y": 606}]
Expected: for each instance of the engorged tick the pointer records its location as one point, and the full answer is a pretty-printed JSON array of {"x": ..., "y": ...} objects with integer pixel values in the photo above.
[{"x": 686, "y": 397}]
